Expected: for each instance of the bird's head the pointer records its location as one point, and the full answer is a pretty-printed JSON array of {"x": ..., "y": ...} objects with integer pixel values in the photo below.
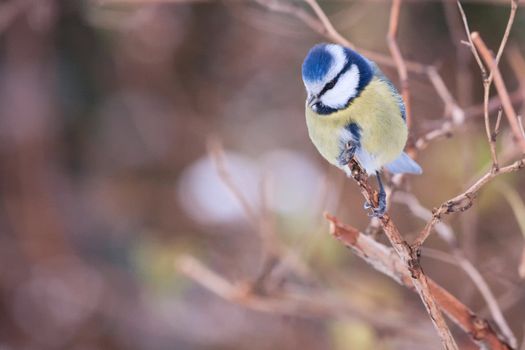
[{"x": 334, "y": 75}]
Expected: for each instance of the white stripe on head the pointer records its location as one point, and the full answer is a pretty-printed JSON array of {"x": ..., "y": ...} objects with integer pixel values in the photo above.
[
  {"x": 339, "y": 60},
  {"x": 339, "y": 56},
  {"x": 344, "y": 89}
]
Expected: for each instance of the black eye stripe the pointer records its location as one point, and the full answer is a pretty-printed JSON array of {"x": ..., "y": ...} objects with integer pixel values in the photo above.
[{"x": 332, "y": 82}]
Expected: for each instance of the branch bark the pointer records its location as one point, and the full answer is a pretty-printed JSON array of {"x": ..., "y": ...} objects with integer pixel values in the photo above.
[
  {"x": 382, "y": 259},
  {"x": 410, "y": 258}
]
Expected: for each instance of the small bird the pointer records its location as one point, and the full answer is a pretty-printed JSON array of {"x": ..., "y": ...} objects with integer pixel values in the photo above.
[{"x": 354, "y": 112}]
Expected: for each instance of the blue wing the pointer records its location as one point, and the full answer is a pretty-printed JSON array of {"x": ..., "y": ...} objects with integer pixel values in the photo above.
[{"x": 378, "y": 73}]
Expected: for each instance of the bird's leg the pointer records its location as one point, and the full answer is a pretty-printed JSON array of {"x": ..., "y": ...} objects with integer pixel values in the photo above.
[
  {"x": 381, "y": 200},
  {"x": 347, "y": 153}
]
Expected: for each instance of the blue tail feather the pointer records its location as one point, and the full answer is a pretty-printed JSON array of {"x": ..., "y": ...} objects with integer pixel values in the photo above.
[{"x": 404, "y": 164}]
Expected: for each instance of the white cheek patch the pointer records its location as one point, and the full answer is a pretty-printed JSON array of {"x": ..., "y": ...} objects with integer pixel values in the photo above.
[
  {"x": 339, "y": 60},
  {"x": 344, "y": 89}
]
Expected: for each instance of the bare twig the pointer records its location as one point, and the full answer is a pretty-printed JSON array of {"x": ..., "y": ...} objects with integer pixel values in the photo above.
[
  {"x": 322, "y": 25},
  {"x": 464, "y": 200},
  {"x": 476, "y": 44},
  {"x": 494, "y": 104},
  {"x": 470, "y": 43},
  {"x": 491, "y": 136},
  {"x": 517, "y": 63},
  {"x": 502, "y": 90},
  {"x": 216, "y": 153},
  {"x": 520, "y": 122},
  {"x": 510, "y": 22},
  {"x": 410, "y": 258},
  {"x": 451, "y": 106},
  {"x": 380, "y": 258},
  {"x": 447, "y": 234},
  {"x": 299, "y": 304},
  {"x": 398, "y": 58},
  {"x": 330, "y": 30}
]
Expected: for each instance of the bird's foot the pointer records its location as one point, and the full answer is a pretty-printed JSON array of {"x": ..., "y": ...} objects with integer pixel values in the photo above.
[
  {"x": 378, "y": 211},
  {"x": 347, "y": 154}
]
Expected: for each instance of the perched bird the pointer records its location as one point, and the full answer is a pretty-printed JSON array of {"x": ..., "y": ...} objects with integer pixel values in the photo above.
[{"x": 354, "y": 111}]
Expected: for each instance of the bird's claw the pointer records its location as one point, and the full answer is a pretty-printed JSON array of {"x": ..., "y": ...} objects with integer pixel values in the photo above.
[
  {"x": 378, "y": 211},
  {"x": 347, "y": 154}
]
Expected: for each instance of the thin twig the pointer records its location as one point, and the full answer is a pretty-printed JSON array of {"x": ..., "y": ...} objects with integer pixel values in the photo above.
[
  {"x": 331, "y": 32},
  {"x": 498, "y": 122},
  {"x": 398, "y": 58},
  {"x": 490, "y": 135},
  {"x": 471, "y": 44},
  {"x": 517, "y": 63},
  {"x": 299, "y": 304},
  {"x": 520, "y": 122},
  {"x": 216, "y": 153},
  {"x": 446, "y": 233},
  {"x": 502, "y": 90},
  {"x": 451, "y": 106},
  {"x": 464, "y": 200},
  {"x": 494, "y": 104},
  {"x": 322, "y": 25},
  {"x": 510, "y": 22}
]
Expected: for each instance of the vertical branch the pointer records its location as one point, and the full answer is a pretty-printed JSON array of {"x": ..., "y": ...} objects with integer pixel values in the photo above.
[
  {"x": 502, "y": 90},
  {"x": 217, "y": 156},
  {"x": 398, "y": 58},
  {"x": 517, "y": 63},
  {"x": 510, "y": 22},
  {"x": 490, "y": 135},
  {"x": 410, "y": 258}
]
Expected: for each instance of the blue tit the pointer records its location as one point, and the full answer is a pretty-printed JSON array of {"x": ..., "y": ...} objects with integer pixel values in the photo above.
[{"x": 354, "y": 111}]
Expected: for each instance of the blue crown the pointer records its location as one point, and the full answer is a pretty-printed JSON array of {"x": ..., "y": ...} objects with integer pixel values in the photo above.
[{"x": 317, "y": 63}]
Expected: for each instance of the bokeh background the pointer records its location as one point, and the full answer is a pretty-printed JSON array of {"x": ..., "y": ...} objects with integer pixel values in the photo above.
[{"x": 109, "y": 111}]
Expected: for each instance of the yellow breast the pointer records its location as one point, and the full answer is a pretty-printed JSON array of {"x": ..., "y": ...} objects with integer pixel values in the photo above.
[{"x": 376, "y": 112}]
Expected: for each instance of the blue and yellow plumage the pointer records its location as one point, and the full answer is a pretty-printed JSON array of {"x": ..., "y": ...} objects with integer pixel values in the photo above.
[{"x": 354, "y": 111}]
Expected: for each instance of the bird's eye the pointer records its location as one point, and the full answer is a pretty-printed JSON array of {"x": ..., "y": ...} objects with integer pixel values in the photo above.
[{"x": 330, "y": 85}]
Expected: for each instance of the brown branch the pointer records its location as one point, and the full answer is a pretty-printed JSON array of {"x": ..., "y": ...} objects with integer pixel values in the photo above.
[
  {"x": 216, "y": 153},
  {"x": 327, "y": 25},
  {"x": 322, "y": 25},
  {"x": 446, "y": 233},
  {"x": 409, "y": 257},
  {"x": 490, "y": 135},
  {"x": 464, "y": 200},
  {"x": 510, "y": 22},
  {"x": 451, "y": 106},
  {"x": 398, "y": 58},
  {"x": 517, "y": 63},
  {"x": 299, "y": 304},
  {"x": 381, "y": 259},
  {"x": 494, "y": 104},
  {"x": 452, "y": 109},
  {"x": 470, "y": 43},
  {"x": 502, "y": 90}
]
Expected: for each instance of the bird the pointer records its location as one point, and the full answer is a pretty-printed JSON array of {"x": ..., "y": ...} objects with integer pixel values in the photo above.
[{"x": 353, "y": 111}]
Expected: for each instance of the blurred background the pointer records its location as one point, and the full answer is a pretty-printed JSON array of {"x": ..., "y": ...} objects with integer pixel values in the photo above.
[{"x": 113, "y": 214}]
